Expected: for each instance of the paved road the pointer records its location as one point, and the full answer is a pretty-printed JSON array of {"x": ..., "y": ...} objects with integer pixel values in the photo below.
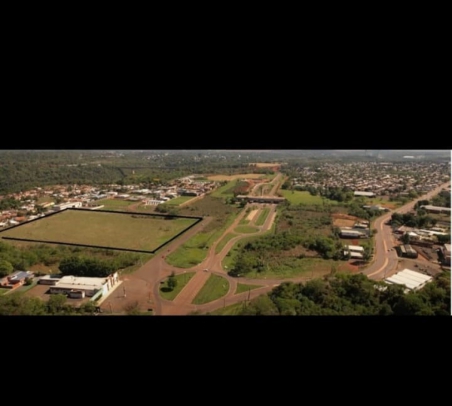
[
  {"x": 386, "y": 260},
  {"x": 145, "y": 282}
]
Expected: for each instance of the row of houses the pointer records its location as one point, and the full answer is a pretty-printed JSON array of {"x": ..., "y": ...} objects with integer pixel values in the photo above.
[{"x": 372, "y": 179}]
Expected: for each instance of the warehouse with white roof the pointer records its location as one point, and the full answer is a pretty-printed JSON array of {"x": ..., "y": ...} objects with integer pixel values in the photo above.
[{"x": 411, "y": 279}]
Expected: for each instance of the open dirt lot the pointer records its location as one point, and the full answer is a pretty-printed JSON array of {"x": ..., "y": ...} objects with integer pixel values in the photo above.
[
  {"x": 251, "y": 215},
  {"x": 343, "y": 220}
]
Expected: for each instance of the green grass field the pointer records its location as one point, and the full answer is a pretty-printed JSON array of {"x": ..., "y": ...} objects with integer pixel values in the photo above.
[
  {"x": 304, "y": 198},
  {"x": 45, "y": 199},
  {"x": 229, "y": 259},
  {"x": 246, "y": 229},
  {"x": 225, "y": 190},
  {"x": 3, "y": 291},
  {"x": 181, "y": 279},
  {"x": 215, "y": 287},
  {"x": 244, "y": 221},
  {"x": 242, "y": 287},
  {"x": 192, "y": 253},
  {"x": 232, "y": 310},
  {"x": 114, "y": 230},
  {"x": 262, "y": 217},
  {"x": 179, "y": 200},
  {"x": 223, "y": 242},
  {"x": 114, "y": 204},
  {"x": 195, "y": 250}
]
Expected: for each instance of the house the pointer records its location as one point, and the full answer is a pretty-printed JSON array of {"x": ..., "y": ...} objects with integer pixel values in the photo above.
[
  {"x": 407, "y": 251},
  {"x": 435, "y": 209},
  {"x": 445, "y": 254},
  {"x": 67, "y": 205},
  {"x": 91, "y": 287},
  {"x": 365, "y": 194},
  {"x": 351, "y": 234},
  {"x": 355, "y": 248},
  {"x": 15, "y": 279}
]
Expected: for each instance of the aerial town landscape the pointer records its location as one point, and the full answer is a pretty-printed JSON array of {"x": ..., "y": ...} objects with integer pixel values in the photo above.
[{"x": 225, "y": 232}]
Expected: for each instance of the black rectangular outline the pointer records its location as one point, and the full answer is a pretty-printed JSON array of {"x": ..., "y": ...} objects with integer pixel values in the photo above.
[{"x": 199, "y": 219}]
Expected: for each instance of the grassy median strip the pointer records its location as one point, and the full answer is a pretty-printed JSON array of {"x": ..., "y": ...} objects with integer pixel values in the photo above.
[
  {"x": 224, "y": 241},
  {"x": 242, "y": 287},
  {"x": 181, "y": 279},
  {"x": 215, "y": 287},
  {"x": 262, "y": 217},
  {"x": 231, "y": 310},
  {"x": 246, "y": 229}
]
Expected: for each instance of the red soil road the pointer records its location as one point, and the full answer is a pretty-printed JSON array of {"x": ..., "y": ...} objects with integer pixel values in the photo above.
[{"x": 143, "y": 286}]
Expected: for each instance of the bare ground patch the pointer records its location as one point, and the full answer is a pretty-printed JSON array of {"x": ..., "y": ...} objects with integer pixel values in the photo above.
[{"x": 251, "y": 215}]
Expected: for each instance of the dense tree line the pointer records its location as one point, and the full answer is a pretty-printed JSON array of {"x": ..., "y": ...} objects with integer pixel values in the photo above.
[
  {"x": 354, "y": 295},
  {"x": 24, "y": 170},
  {"x": 412, "y": 220},
  {"x": 442, "y": 199},
  {"x": 17, "y": 304},
  {"x": 14, "y": 258}
]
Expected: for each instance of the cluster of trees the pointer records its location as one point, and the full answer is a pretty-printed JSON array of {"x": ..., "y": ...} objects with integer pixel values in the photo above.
[
  {"x": 308, "y": 227},
  {"x": 14, "y": 258},
  {"x": 412, "y": 220},
  {"x": 241, "y": 188},
  {"x": 442, "y": 199},
  {"x": 9, "y": 203},
  {"x": 83, "y": 266},
  {"x": 172, "y": 281},
  {"x": 17, "y": 304},
  {"x": 24, "y": 170},
  {"x": 357, "y": 295}
]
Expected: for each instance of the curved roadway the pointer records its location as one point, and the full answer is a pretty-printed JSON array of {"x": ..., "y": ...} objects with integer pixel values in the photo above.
[{"x": 146, "y": 281}]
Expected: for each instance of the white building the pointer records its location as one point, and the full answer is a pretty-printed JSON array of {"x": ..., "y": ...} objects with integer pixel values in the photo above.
[
  {"x": 355, "y": 248},
  {"x": 412, "y": 280},
  {"x": 365, "y": 194},
  {"x": 67, "y": 205},
  {"x": 90, "y": 286}
]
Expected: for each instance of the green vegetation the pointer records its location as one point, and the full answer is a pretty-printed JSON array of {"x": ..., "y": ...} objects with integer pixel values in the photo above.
[
  {"x": 302, "y": 243},
  {"x": 232, "y": 310},
  {"x": 244, "y": 221},
  {"x": 179, "y": 200},
  {"x": 355, "y": 295},
  {"x": 114, "y": 204},
  {"x": 225, "y": 190},
  {"x": 103, "y": 229},
  {"x": 39, "y": 257},
  {"x": 194, "y": 251},
  {"x": 242, "y": 287},
  {"x": 224, "y": 241},
  {"x": 181, "y": 280},
  {"x": 3, "y": 291},
  {"x": 18, "y": 304},
  {"x": 215, "y": 287},
  {"x": 262, "y": 217},
  {"x": 246, "y": 229},
  {"x": 26, "y": 286},
  {"x": 305, "y": 198}
]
